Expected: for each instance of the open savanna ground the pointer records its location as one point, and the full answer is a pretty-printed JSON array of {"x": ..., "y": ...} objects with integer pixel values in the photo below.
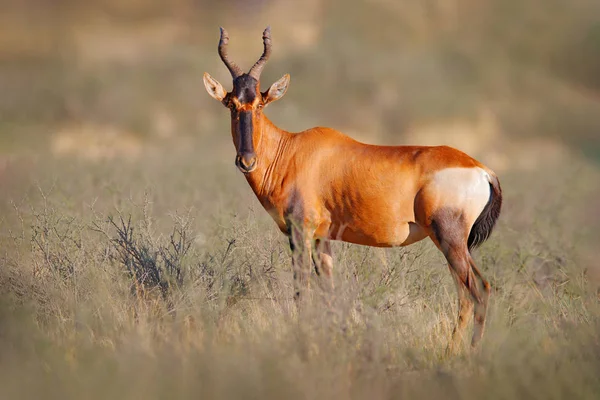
[
  {"x": 136, "y": 262},
  {"x": 163, "y": 277}
]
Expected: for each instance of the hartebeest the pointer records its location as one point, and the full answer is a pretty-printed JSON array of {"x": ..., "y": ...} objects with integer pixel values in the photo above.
[{"x": 320, "y": 185}]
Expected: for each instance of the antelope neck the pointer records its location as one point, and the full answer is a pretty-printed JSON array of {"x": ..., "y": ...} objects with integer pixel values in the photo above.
[{"x": 270, "y": 149}]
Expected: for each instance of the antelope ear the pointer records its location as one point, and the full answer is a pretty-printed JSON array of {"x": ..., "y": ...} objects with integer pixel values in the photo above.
[
  {"x": 214, "y": 88},
  {"x": 277, "y": 90}
]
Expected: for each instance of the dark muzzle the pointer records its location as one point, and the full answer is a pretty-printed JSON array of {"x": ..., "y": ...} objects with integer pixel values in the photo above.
[
  {"x": 246, "y": 158},
  {"x": 246, "y": 162}
]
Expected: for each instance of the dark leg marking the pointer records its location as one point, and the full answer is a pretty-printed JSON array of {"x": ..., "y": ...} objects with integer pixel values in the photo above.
[{"x": 450, "y": 234}]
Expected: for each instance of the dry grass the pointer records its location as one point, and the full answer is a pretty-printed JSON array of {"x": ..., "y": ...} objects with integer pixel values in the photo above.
[
  {"x": 135, "y": 261},
  {"x": 112, "y": 285}
]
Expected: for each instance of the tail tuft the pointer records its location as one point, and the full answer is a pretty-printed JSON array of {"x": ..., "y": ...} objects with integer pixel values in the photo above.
[{"x": 483, "y": 226}]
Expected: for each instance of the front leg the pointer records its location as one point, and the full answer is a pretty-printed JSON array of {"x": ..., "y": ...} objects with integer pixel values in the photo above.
[
  {"x": 323, "y": 261},
  {"x": 300, "y": 244}
]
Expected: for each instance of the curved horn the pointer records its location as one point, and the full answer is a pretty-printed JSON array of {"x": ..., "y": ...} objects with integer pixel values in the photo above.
[
  {"x": 231, "y": 66},
  {"x": 257, "y": 68}
]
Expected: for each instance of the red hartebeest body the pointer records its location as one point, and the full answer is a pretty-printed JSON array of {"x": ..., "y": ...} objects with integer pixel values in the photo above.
[{"x": 320, "y": 185}]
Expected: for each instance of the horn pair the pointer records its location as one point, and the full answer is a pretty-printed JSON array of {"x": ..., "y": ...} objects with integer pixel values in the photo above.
[{"x": 257, "y": 68}]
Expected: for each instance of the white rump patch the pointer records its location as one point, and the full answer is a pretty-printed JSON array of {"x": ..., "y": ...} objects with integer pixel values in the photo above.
[{"x": 467, "y": 189}]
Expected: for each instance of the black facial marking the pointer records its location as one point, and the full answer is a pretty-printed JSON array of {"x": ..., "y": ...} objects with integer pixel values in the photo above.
[
  {"x": 244, "y": 89},
  {"x": 245, "y": 133}
]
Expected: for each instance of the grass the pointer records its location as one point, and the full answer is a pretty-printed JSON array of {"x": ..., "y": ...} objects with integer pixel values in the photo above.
[
  {"x": 136, "y": 262},
  {"x": 164, "y": 279}
]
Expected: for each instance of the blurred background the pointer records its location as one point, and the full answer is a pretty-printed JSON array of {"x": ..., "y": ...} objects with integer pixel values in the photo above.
[
  {"x": 136, "y": 262},
  {"x": 110, "y": 78}
]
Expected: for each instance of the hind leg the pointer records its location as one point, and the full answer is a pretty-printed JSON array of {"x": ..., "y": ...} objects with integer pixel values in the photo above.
[
  {"x": 458, "y": 258},
  {"x": 480, "y": 308},
  {"x": 450, "y": 234},
  {"x": 465, "y": 313}
]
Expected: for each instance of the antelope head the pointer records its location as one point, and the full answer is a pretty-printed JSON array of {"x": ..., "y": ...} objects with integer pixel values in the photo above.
[{"x": 246, "y": 101}]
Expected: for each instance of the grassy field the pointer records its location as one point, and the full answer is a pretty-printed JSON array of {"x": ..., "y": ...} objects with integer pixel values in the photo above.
[
  {"x": 136, "y": 262},
  {"x": 215, "y": 316}
]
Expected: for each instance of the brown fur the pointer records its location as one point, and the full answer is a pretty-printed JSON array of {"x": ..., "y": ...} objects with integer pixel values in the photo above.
[{"x": 320, "y": 185}]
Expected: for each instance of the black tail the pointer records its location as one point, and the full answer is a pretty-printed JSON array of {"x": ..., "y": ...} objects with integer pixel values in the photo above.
[{"x": 483, "y": 226}]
